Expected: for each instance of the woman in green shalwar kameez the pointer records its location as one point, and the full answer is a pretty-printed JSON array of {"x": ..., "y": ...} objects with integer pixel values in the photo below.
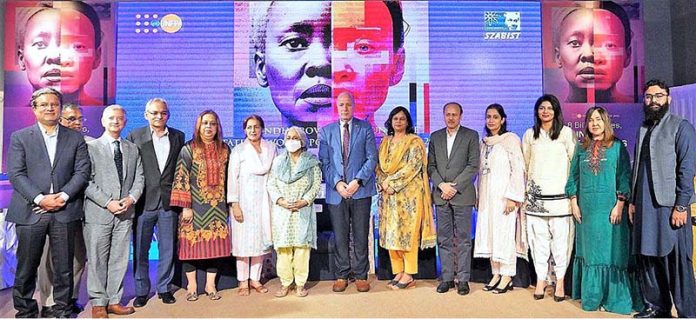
[{"x": 599, "y": 186}]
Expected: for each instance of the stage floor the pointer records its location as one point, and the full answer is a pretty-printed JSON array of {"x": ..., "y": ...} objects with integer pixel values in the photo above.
[{"x": 381, "y": 301}]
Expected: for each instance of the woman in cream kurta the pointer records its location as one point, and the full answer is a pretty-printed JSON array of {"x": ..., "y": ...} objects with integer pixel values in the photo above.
[
  {"x": 293, "y": 185},
  {"x": 500, "y": 228},
  {"x": 250, "y": 204}
]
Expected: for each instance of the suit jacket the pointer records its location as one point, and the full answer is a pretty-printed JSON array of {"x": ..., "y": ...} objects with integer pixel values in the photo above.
[
  {"x": 104, "y": 185},
  {"x": 31, "y": 173},
  {"x": 362, "y": 159},
  {"x": 460, "y": 168},
  {"x": 158, "y": 185}
]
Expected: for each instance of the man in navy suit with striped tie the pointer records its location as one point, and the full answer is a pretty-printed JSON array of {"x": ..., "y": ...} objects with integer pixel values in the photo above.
[{"x": 348, "y": 155}]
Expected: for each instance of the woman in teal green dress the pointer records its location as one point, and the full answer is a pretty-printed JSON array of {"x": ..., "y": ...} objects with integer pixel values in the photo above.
[{"x": 599, "y": 186}]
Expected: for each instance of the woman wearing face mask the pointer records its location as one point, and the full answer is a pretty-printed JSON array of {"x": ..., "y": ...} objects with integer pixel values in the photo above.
[
  {"x": 598, "y": 187},
  {"x": 292, "y": 185},
  {"x": 199, "y": 188},
  {"x": 250, "y": 205},
  {"x": 405, "y": 212}
]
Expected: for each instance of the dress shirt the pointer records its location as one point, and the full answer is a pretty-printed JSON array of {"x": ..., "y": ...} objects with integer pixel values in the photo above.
[
  {"x": 51, "y": 142},
  {"x": 162, "y": 147},
  {"x": 450, "y": 140},
  {"x": 350, "y": 129}
]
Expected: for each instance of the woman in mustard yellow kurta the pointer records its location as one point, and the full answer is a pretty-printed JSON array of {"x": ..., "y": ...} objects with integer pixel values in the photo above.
[{"x": 405, "y": 213}]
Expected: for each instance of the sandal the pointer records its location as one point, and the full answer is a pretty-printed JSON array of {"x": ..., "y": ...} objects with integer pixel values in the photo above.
[
  {"x": 405, "y": 285},
  {"x": 260, "y": 288},
  {"x": 214, "y": 295},
  {"x": 191, "y": 296},
  {"x": 301, "y": 292},
  {"x": 282, "y": 292},
  {"x": 243, "y": 291}
]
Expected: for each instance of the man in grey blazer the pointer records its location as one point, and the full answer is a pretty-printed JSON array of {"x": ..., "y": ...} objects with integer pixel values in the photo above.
[
  {"x": 159, "y": 147},
  {"x": 48, "y": 168},
  {"x": 115, "y": 185},
  {"x": 348, "y": 155},
  {"x": 453, "y": 161}
]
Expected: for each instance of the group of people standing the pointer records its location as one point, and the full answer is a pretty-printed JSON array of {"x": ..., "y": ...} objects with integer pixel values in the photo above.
[{"x": 543, "y": 194}]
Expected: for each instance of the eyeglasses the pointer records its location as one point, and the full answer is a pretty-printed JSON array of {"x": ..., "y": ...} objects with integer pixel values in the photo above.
[
  {"x": 73, "y": 119},
  {"x": 155, "y": 114},
  {"x": 45, "y": 106},
  {"x": 658, "y": 96}
]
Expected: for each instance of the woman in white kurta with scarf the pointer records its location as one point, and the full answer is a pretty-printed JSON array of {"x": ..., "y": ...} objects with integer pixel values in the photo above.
[
  {"x": 500, "y": 228},
  {"x": 250, "y": 204}
]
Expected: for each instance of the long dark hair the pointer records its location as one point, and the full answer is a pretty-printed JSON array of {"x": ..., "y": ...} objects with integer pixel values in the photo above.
[
  {"x": 501, "y": 111},
  {"x": 409, "y": 128},
  {"x": 557, "y": 125}
]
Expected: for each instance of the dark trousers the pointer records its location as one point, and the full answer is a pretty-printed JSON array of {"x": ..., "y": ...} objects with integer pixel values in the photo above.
[
  {"x": 454, "y": 241},
  {"x": 667, "y": 278},
  {"x": 166, "y": 221},
  {"x": 31, "y": 240},
  {"x": 351, "y": 215}
]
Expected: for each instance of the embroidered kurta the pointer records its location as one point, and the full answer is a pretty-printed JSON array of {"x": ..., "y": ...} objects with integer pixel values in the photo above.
[
  {"x": 500, "y": 237},
  {"x": 598, "y": 175},
  {"x": 199, "y": 184},
  {"x": 246, "y": 184},
  {"x": 405, "y": 217},
  {"x": 547, "y": 164},
  {"x": 294, "y": 229}
]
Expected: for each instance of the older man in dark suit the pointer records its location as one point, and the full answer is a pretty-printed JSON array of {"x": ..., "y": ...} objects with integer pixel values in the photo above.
[
  {"x": 48, "y": 166},
  {"x": 159, "y": 148},
  {"x": 453, "y": 161}
]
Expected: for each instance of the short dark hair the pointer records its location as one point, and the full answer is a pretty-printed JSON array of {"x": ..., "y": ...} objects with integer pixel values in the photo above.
[
  {"x": 659, "y": 83},
  {"x": 557, "y": 116},
  {"x": 409, "y": 128},
  {"x": 444, "y": 107},
  {"x": 253, "y": 117},
  {"x": 501, "y": 111},
  {"x": 79, "y": 6}
]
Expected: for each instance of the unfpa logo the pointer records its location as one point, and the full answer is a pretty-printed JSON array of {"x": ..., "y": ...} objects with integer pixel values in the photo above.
[{"x": 171, "y": 23}]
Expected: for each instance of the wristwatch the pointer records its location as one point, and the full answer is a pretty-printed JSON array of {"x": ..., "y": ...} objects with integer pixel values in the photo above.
[{"x": 680, "y": 208}]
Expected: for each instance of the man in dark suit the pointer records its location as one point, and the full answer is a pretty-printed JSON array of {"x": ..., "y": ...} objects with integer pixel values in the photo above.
[
  {"x": 348, "y": 157},
  {"x": 48, "y": 166},
  {"x": 663, "y": 173},
  {"x": 453, "y": 161},
  {"x": 159, "y": 148}
]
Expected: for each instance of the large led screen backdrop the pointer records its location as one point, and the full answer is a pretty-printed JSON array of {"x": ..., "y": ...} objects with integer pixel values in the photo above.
[{"x": 286, "y": 60}]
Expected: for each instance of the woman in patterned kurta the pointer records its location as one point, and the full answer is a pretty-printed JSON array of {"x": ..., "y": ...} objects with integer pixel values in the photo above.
[
  {"x": 293, "y": 184},
  {"x": 405, "y": 211},
  {"x": 250, "y": 205},
  {"x": 599, "y": 185},
  {"x": 199, "y": 188}
]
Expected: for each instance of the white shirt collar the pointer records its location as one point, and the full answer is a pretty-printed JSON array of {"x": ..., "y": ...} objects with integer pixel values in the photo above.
[
  {"x": 44, "y": 131},
  {"x": 152, "y": 132}
]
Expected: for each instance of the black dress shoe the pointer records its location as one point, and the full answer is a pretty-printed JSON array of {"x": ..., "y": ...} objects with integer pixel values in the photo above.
[
  {"x": 47, "y": 312},
  {"x": 167, "y": 297},
  {"x": 140, "y": 301},
  {"x": 652, "y": 313},
  {"x": 445, "y": 286},
  {"x": 463, "y": 288}
]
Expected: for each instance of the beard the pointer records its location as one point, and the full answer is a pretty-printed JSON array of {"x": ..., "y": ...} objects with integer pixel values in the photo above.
[{"x": 653, "y": 116}]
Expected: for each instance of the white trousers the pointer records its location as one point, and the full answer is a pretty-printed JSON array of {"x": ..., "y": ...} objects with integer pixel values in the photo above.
[{"x": 550, "y": 236}]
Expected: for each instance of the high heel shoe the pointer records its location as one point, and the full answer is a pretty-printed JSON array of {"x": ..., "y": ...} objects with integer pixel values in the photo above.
[
  {"x": 558, "y": 299},
  {"x": 539, "y": 296},
  {"x": 491, "y": 287},
  {"x": 503, "y": 290}
]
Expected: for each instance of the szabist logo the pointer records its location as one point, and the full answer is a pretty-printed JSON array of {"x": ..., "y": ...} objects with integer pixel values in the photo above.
[
  {"x": 502, "y": 25},
  {"x": 171, "y": 23}
]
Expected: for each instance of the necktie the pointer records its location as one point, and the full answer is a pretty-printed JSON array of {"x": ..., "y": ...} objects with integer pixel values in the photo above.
[
  {"x": 346, "y": 145},
  {"x": 118, "y": 159}
]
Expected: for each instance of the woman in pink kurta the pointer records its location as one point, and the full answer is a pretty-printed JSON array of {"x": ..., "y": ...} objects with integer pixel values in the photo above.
[
  {"x": 500, "y": 230},
  {"x": 249, "y": 203}
]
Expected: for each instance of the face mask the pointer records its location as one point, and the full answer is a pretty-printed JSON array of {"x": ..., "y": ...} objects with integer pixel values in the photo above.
[{"x": 293, "y": 145}]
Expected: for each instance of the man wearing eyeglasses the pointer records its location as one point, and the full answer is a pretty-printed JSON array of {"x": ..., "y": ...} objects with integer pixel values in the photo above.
[
  {"x": 159, "y": 147},
  {"x": 663, "y": 175},
  {"x": 71, "y": 117},
  {"x": 48, "y": 167}
]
